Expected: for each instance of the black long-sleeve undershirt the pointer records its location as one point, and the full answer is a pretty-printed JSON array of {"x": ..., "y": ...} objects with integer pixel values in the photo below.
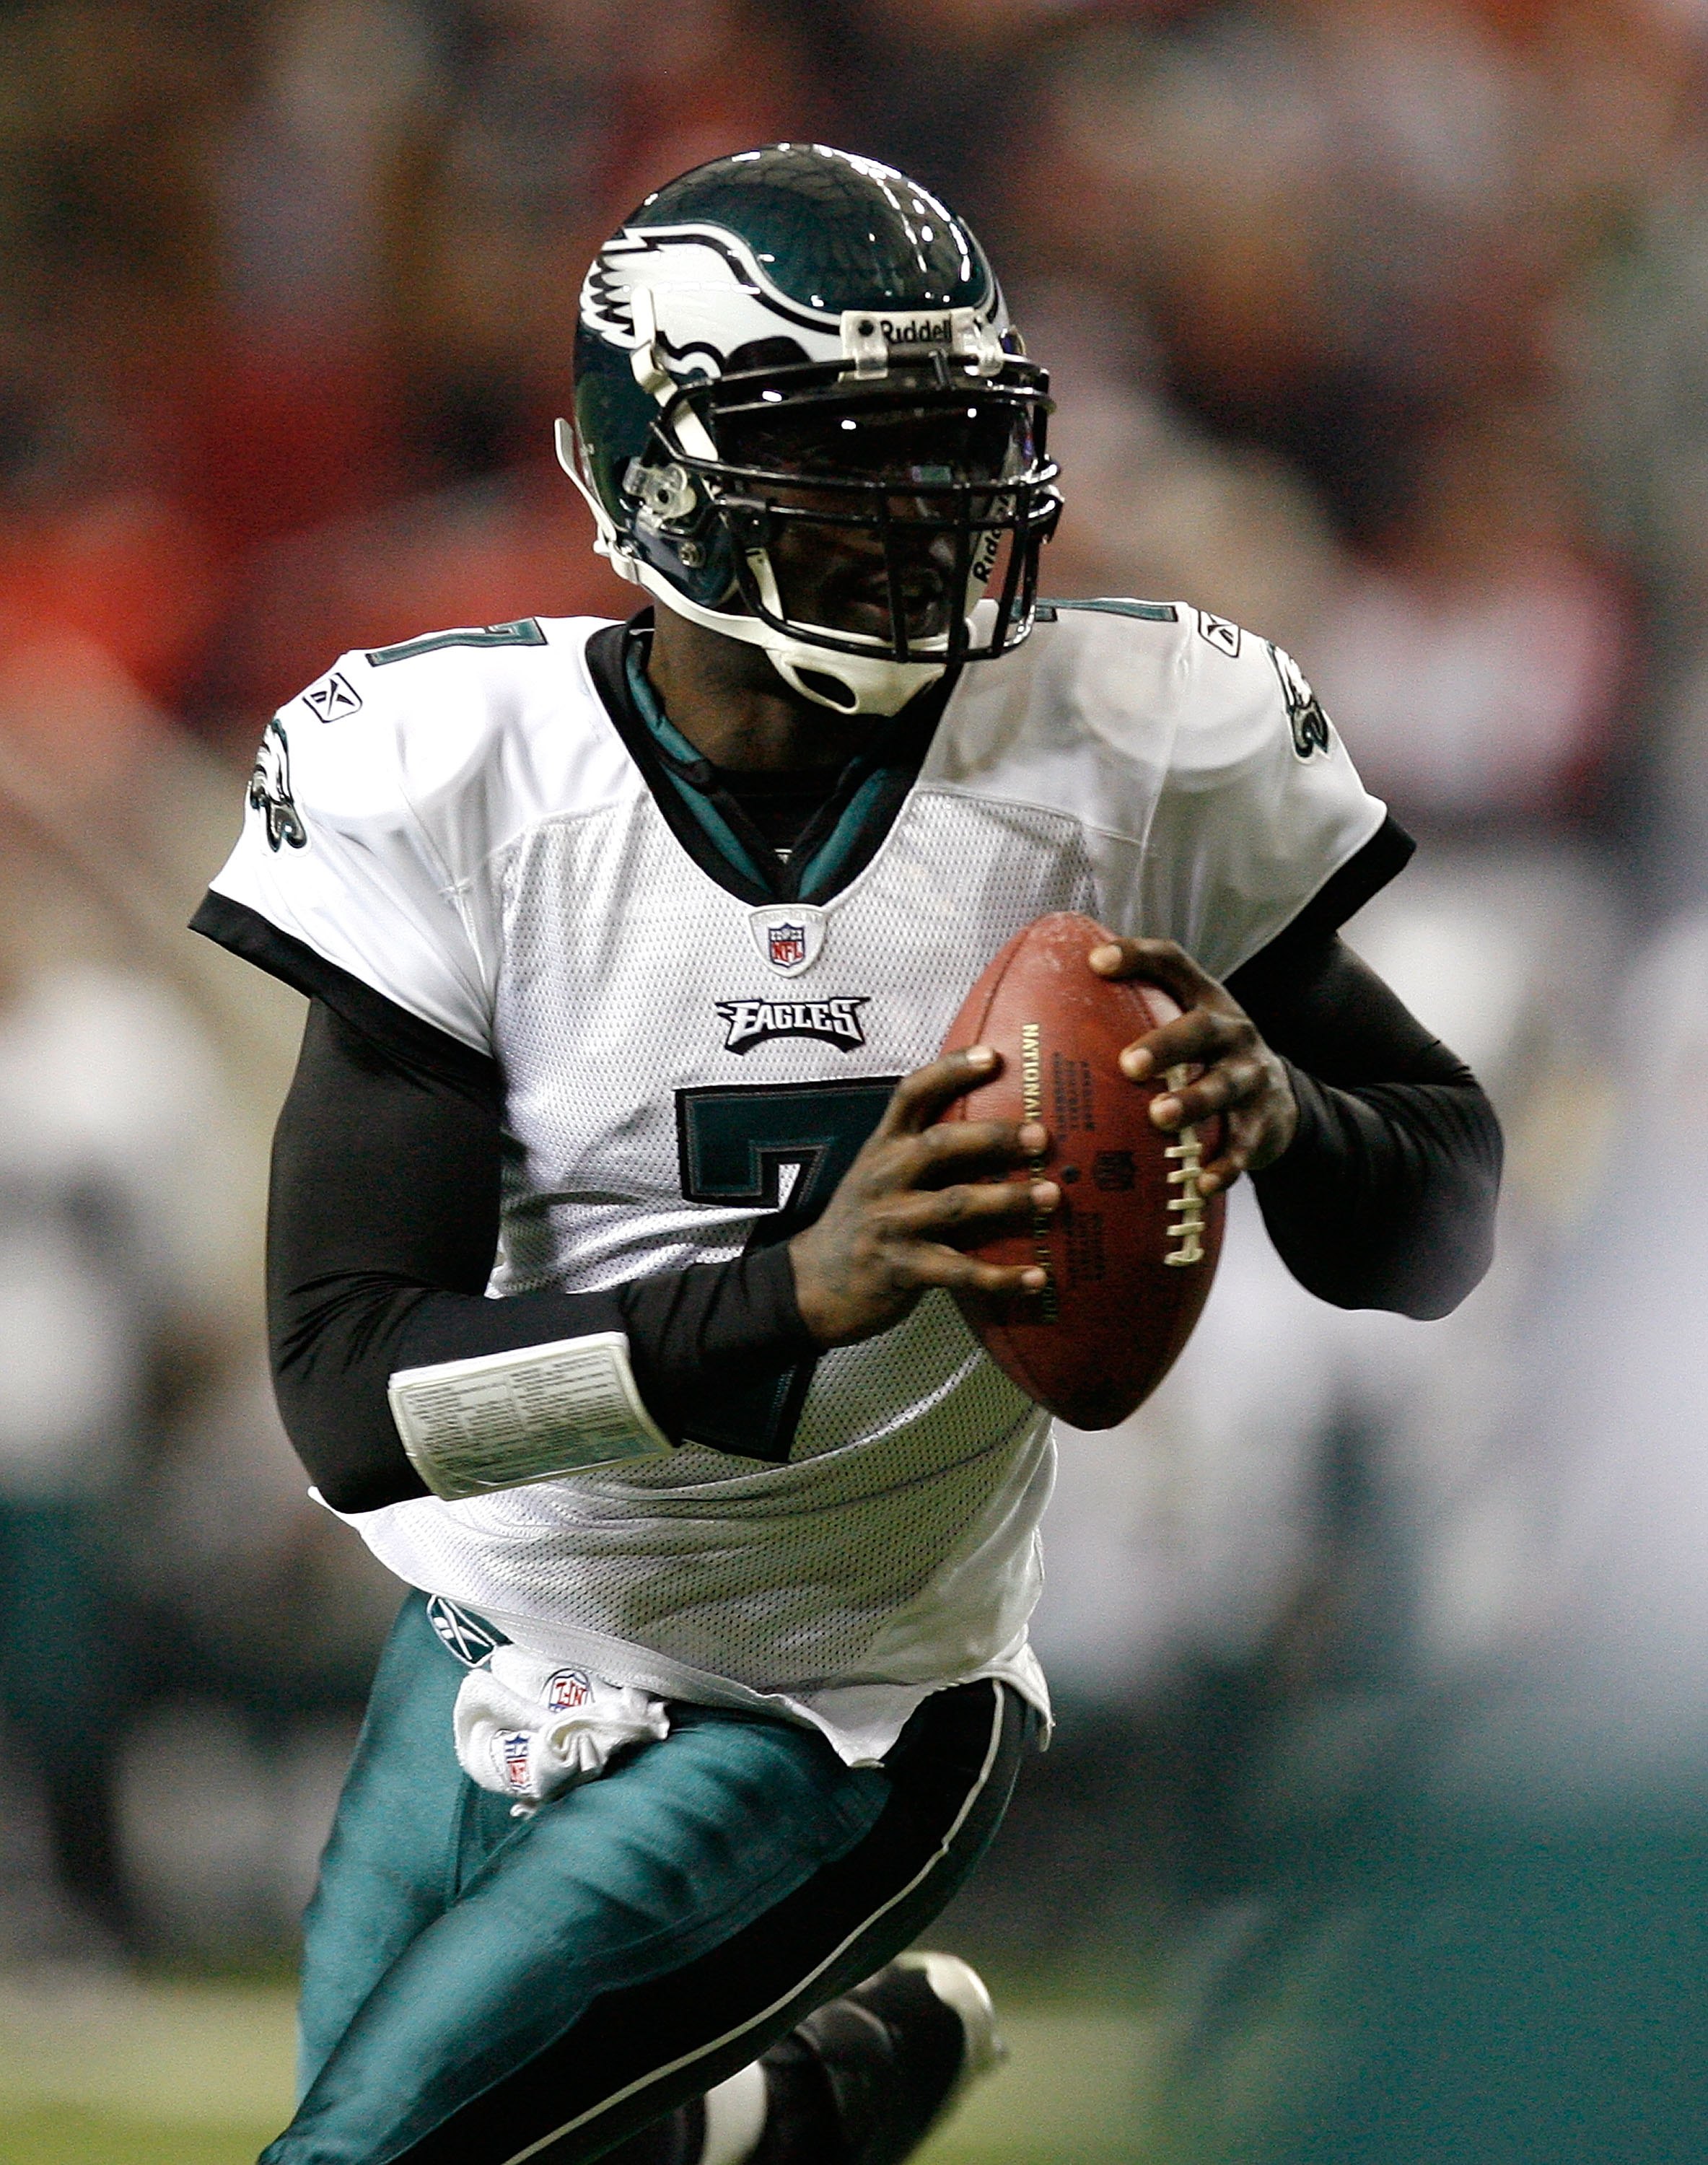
[
  {"x": 382, "y": 1227},
  {"x": 1386, "y": 1196},
  {"x": 384, "y": 1217}
]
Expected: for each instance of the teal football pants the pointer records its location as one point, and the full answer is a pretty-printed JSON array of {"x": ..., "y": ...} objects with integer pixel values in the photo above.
[{"x": 479, "y": 1988}]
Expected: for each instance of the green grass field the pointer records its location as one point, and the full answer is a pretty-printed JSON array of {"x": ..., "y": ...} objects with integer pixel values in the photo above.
[{"x": 200, "y": 2074}]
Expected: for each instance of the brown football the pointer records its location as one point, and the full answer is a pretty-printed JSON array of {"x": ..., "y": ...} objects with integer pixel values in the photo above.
[{"x": 1131, "y": 1249}]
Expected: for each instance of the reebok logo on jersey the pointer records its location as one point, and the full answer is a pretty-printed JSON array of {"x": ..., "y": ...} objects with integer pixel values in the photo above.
[
  {"x": 835, "y": 1022},
  {"x": 332, "y": 697},
  {"x": 461, "y": 1634},
  {"x": 1220, "y": 634}
]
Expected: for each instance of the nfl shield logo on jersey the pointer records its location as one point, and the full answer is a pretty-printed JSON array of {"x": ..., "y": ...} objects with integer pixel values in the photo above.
[
  {"x": 787, "y": 944},
  {"x": 789, "y": 936}
]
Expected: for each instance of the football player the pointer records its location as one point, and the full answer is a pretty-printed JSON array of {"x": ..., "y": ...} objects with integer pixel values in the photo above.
[{"x": 629, "y": 947}]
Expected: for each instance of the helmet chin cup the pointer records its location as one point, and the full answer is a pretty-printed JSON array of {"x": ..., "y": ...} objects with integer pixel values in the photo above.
[
  {"x": 981, "y": 625},
  {"x": 874, "y": 687},
  {"x": 844, "y": 683}
]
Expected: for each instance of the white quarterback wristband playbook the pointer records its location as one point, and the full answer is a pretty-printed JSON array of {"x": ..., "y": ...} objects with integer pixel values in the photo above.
[{"x": 501, "y": 1420}]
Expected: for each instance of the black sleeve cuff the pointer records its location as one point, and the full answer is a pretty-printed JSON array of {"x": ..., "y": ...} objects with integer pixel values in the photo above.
[
  {"x": 1382, "y": 858},
  {"x": 418, "y": 1046},
  {"x": 1319, "y": 1144}
]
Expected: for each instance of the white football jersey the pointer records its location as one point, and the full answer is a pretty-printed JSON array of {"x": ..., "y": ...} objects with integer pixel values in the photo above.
[{"x": 458, "y": 824}]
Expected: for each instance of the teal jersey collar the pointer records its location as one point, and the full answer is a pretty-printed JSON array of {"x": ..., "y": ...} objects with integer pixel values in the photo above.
[
  {"x": 860, "y": 806},
  {"x": 691, "y": 777}
]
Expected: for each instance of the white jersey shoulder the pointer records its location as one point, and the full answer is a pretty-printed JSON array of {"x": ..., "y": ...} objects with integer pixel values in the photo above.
[
  {"x": 1187, "y": 761},
  {"x": 502, "y": 721},
  {"x": 381, "y": 793},
  {"x": 1215, "y": 794}
]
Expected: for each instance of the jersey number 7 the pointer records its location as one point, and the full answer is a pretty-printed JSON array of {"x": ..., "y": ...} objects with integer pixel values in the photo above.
[{"x": 737, "y": 1142}]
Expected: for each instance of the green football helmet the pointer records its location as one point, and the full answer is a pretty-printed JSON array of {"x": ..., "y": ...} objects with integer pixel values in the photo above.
[{"x": 803, "y": 419}]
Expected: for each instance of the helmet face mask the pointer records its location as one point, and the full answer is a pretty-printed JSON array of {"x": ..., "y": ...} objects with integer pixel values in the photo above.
[
  {"x": 862, "y": 491},
  {"x": 868, "y": 519}
]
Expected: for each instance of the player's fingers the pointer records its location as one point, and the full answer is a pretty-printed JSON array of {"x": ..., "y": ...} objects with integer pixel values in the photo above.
[
  {"x": 1230, "y": 1082},
  {"x": 1221, "y": 1172},
  {"x": 926, "y": 1267},
  {"x": 969, "y": 1210},
  {"x": 923, "y": 1097},
  {"x": 947, "y": 1149},
  {"x": 1201, "y": 1036},
  {"x": 1161, "y": 961},
  {"x": 1252, "y": 1138},
  {"x": 1216, "y": 1179}
]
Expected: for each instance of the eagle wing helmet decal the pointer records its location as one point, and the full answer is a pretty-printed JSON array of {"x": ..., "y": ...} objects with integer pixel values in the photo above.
[{"x": 704, "y": 289}]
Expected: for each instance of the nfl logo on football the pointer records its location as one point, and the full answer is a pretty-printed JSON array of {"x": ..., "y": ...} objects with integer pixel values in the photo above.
[{"x": 788, "y": 945}]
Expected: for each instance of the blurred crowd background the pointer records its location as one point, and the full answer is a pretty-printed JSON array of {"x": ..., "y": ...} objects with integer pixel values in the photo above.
[{"x": 1380, "y": 326}]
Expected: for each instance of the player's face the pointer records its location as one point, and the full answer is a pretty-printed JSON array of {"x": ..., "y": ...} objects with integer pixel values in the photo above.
[
  {"x": 849, "y": 561},
  {"x": 840, "y": 576}
]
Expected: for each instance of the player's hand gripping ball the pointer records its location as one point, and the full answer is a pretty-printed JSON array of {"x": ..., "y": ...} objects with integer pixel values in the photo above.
[{"x": 1131, "y": 1248}]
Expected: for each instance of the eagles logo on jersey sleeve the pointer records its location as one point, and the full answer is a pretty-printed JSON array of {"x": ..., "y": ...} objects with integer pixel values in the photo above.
[
  {"x": 1312, "y": 731},
  {"x": 1207, "y": 788},
  {"x": 1261, "y": 806},
  {"x": 364, "y": 815},
  {"x": 269, "y": 791}
]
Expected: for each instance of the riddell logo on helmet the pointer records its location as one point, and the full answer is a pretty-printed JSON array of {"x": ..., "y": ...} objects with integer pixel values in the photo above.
[{"x": 934, "y": 330}]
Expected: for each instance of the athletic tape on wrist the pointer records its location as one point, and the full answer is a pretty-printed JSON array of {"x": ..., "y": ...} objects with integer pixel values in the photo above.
[{"x": 500, "y": 1420}]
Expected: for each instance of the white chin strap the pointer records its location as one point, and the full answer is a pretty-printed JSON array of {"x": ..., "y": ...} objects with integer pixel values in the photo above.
[{"x": 845, "y": 683}]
